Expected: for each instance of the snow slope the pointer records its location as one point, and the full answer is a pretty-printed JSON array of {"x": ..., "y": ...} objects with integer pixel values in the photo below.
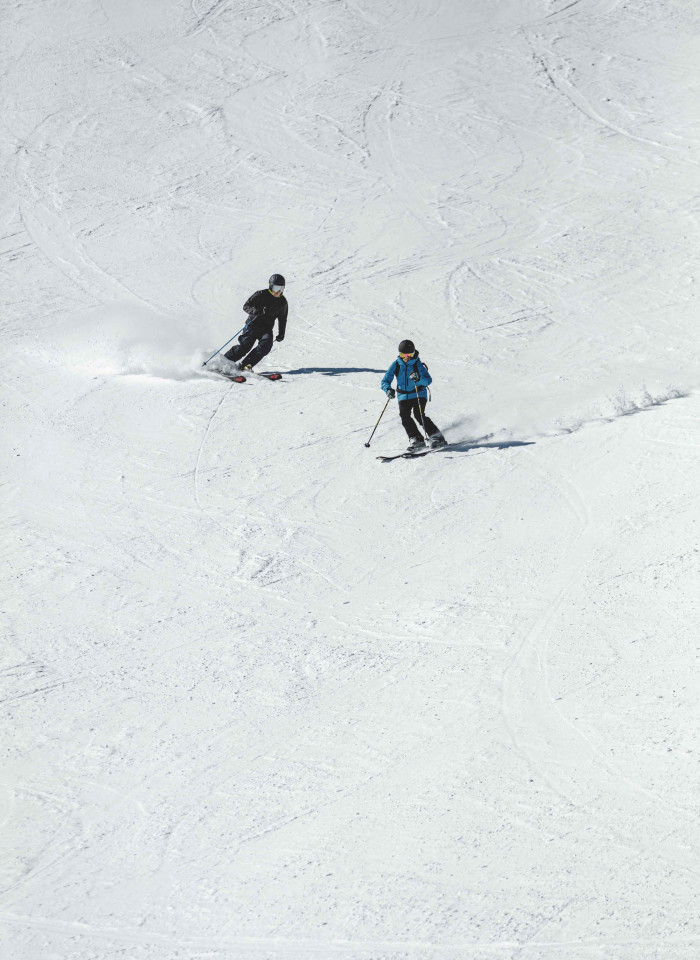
[{"x": 263, "y": 695}]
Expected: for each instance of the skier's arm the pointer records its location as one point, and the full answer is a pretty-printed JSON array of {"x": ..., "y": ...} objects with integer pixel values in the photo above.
[
  {"x": 282, "y": 320},
  {"x": 252, "y": 304},
  {"x": 425, "y": 378},
  {"x": 388, "y": 377}
]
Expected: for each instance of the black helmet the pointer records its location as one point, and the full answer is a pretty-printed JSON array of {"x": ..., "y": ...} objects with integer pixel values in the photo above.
[
  {"x": 407, "y": 346},
  {"x": 277, "y": 280}
]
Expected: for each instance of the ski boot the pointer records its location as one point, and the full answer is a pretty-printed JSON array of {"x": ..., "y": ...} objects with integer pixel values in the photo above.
[
  {"x": 416, "y": 444},
  {"x": 437, "y": 440}
]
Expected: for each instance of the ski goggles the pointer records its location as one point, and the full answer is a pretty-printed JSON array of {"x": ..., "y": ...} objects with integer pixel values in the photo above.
[
  {"x": 406, "y": 356},
  {"x": 276, "y": 288}
]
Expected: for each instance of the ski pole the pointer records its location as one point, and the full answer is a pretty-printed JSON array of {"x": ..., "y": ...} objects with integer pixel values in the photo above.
[
  {"x": 377, "y": 423},
  {"x": 225, "y": 345},
  {"x": 415, "y": 387}
]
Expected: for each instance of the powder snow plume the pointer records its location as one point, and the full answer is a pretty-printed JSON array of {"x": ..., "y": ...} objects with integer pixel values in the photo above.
[{"x": 128, "y": 339}]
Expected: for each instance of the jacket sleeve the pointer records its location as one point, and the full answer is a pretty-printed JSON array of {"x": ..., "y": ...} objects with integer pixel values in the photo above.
[
  {"x": 388, "y": 377},
  {"x": 425, "y": 378},
  {"x": 282, "y": 319},
  {"x": 252, "y": 305}
]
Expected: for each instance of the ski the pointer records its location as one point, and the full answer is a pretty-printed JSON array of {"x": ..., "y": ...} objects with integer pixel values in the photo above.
[
  {"x": 231, "y": 377},
  {"x": 473, "y": 445},
  {"x": 239, "y": 378},
  {"x": 409, "y": 456},
  {"x": 262, "y": 374}
]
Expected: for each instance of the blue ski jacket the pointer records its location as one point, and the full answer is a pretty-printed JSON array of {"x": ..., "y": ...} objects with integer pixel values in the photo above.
[{"x": 402, "y": 370}]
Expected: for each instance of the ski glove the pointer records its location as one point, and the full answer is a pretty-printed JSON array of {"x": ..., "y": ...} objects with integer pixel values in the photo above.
[
  {"x": 415, "y": 376},
  {"x": 390, "y": 392},
  {"x": 279, "y": 339}
]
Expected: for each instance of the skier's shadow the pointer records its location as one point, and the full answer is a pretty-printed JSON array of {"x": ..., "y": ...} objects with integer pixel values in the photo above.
[
  {"x": 485, "y": 444},
  {"x": 332, "y": 371}
]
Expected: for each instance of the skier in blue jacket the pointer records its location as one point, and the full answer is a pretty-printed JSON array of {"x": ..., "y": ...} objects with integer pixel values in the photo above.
[{"x": 412, "y": 379}]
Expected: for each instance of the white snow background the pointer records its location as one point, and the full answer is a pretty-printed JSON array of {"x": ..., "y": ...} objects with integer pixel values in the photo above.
[{"x": 264, "y": 696}]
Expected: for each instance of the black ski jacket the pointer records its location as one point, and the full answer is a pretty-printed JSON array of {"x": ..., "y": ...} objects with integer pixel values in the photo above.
[{"x": 262, "y": 306}]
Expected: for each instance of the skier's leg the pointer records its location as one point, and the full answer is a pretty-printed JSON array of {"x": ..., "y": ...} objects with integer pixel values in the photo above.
[
  {"x": 262, "y": 349},
  {"x": 405, "y": 410},
  {"x": 245, "y": 342},
  {"x": 430, "y": 427},
  {"x": 417, "y": 412},
  {"x": 435, "y": 437}
]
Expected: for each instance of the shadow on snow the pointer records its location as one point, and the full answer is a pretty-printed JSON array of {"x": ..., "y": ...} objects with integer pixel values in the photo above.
[{"x": 483, "y": 443}]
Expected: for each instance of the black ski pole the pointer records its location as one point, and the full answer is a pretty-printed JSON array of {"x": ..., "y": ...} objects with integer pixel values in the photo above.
[
  {"x": 377, "y": 423},
  {"x": 225, "y": 345}
]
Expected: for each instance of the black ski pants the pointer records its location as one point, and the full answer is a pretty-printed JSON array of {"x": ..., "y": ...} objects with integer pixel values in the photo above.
[
  {"x": 244, "y": 352},
  {"x": 410, "y": 409}
]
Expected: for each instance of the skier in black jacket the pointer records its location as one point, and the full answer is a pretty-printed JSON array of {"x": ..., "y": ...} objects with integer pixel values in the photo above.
[{"x": 263, "y": 308}]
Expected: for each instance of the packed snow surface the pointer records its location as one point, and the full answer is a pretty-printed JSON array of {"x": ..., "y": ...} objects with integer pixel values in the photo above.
[{"x": 264, "y": 696}]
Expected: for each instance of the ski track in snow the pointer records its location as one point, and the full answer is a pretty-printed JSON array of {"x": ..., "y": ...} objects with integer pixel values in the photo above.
[{"x": 267, "y": 697}]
